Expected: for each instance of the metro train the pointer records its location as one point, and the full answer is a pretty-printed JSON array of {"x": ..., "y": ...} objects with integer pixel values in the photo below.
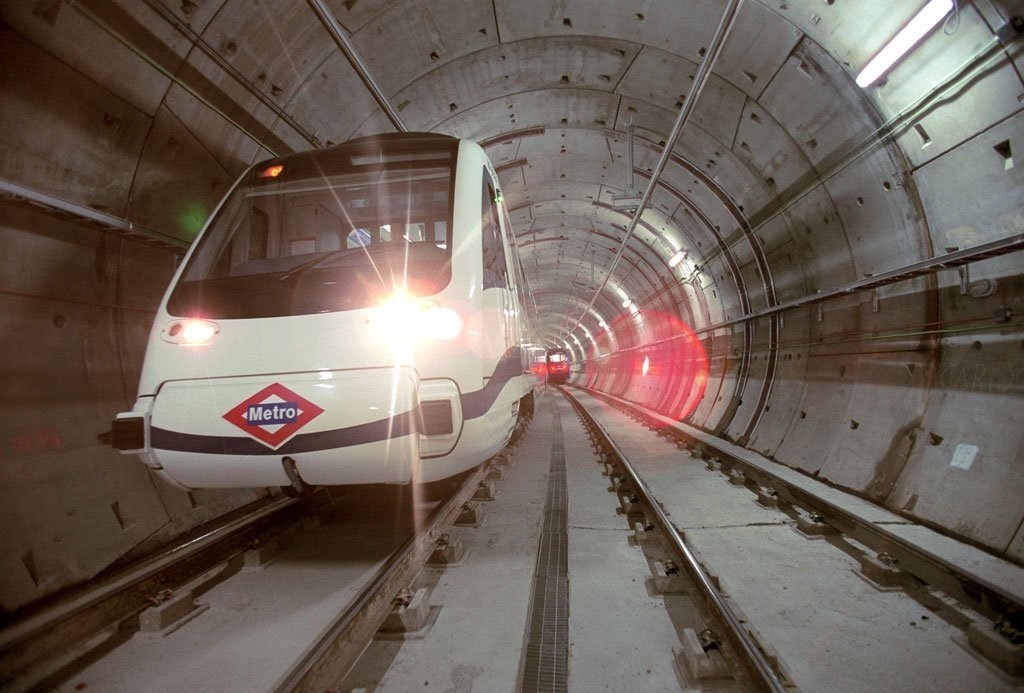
[
  {"x": 350, "y": 315},
  {"x": 558, "y": 365}
]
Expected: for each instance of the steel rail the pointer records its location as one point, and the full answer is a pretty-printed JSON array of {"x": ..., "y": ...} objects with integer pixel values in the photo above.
[
  {"x": 326, "y": 661},
  {"x": 45, "y": 620},
  {"x": 745, "y": 643},
  {"x": 984, "y": 595}
]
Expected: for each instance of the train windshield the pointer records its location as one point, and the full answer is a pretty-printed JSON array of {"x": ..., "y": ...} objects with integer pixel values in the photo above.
[
  {"x": 557, "y": 356},
  {"x": 330, "y": 230}
]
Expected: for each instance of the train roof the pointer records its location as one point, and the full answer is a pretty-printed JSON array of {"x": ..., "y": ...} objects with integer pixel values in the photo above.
[
  {"x": 348, "y": 152},
  {"x": 393, "y": 136}
]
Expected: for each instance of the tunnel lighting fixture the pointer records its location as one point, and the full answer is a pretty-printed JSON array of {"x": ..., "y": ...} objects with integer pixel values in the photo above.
[
  {"x": 625, "y": 304},
  {"x": 923, "y": 22},
  {"x": 677, "y": 258}
]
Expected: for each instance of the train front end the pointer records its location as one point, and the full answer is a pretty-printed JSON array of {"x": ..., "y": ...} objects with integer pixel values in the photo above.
[{"x": 313, "y": 334}]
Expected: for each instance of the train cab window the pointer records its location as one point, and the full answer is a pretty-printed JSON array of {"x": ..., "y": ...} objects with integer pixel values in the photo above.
[
  {"x": 357, "y": 238},
  {"x": 332, "y": 229},
  {"x": 416, "y": 233},
  {"x": 495, "y": 267},
  {"x": 258, "y": 235}
]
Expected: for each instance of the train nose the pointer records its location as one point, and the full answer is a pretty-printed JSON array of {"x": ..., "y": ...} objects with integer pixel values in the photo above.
[{"x": 338, "y": 427}]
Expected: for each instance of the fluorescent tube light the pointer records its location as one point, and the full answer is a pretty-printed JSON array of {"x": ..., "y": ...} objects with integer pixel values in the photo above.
[
  {"x": 923, "y": 22},
  {"x": 677, "y": 258}
]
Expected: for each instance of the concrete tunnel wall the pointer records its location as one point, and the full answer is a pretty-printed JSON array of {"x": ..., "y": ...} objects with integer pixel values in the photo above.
[
  {"x": 860, "y": 390},
  {"x": 863, "y": 391}
]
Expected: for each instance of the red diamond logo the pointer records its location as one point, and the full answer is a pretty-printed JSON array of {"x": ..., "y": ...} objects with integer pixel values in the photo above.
[{"x": 273, "y": 415}]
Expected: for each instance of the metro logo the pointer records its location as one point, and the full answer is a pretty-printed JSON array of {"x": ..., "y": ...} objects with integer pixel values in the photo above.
[
  {"x": 269, "y": 414},
  {"x": 273, "y": 415}
]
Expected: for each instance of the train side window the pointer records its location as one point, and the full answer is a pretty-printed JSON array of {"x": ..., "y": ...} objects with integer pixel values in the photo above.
[{"x": 495, "y": 267}]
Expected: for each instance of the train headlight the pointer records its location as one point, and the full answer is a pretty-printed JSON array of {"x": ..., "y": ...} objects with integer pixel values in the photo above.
[
  {"x": 403, "y": 319},
  {"x": 190, "y": 333},
  {"x": 442, "y": 324}
]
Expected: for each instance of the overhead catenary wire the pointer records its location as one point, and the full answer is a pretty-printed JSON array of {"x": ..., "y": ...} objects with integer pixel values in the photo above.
[
  {"x": 174, "y": 78},
  {"x": 342, "y": 40},
  {"x": 700, "y": 79}
]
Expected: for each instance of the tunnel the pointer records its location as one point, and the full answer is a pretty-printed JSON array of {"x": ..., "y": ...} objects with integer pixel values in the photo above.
[{"x": 714, "y": 217}]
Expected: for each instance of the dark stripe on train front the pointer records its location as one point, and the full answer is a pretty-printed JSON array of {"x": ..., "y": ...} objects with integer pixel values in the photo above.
[
  {"x": 375, "y": 431},
  {"x": 474, "y": 405}
]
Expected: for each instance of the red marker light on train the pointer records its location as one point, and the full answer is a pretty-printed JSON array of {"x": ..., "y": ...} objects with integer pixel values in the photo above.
[{"x": 271, "y": 171}]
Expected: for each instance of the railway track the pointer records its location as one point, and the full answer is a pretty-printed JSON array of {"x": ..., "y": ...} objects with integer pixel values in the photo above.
[
  {"x": 552, "y": 596},
  {"x": 29, "y": 645},
  {"x": 978, "y": 599},
  {"x": 90, "y": 638},
  {"x": 725, "y": 583},
  {"x": 336, "y": 650},
  {"x": 701, "y": 653}
]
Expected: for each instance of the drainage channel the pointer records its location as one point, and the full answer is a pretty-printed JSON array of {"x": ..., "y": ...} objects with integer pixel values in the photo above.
[{"x": 545, "y": 661}]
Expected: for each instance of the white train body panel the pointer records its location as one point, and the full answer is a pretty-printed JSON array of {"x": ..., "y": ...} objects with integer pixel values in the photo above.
[{"x": 349, "y": 387}]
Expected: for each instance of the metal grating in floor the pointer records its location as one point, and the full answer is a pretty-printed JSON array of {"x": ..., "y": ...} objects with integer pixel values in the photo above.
[{"x": 546, "y": 658}]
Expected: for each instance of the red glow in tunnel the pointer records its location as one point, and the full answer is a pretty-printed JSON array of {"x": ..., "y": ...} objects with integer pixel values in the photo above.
[
  {"x": 669, "y": 374},
  {"x": 690, "y": 352}
]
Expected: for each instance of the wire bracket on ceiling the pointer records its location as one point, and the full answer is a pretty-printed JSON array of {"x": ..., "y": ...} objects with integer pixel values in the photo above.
[{"x": 629, "y": 200}]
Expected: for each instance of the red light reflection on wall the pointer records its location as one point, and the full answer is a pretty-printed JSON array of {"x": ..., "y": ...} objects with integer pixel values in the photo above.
[
  {"x": 689, "y": 352},
  {"x": 668, "y": 374}
]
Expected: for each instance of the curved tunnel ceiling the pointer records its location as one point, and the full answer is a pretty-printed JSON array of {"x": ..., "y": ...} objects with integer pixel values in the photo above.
[{"x": 781, "y": 161}]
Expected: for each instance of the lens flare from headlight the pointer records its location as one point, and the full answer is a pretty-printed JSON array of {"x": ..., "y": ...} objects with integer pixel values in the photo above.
[{"x": 404, "y": 319}]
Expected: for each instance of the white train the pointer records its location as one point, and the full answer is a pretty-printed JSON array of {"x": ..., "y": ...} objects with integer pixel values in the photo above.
[{"x": 350, "y": 315}]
